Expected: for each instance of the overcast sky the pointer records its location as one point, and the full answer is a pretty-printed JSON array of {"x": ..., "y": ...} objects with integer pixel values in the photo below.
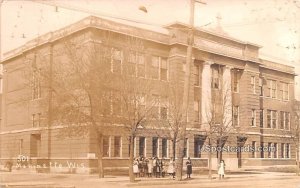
[{"x": 273, "y": 24}]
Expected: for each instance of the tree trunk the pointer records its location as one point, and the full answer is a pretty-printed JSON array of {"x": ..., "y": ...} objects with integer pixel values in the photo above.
[
  {"x": 209, "y": 160},
  {"x": 174, "y": 148},
  {"x": 179, "y": 161},
  {"x": 297, "y": 159},
  {"x": 100, "y": 155},
  {"x": 131, "y": 155}
]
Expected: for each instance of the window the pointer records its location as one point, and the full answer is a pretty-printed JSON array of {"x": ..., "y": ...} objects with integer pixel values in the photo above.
[
  {"x": 253, "y": 118},
  {"x": 253, "y": 149},
  {"x": 117, "y": 146},
  {"x": 269, "y": 150},
  {"x": 282, "y": 150},
  {"x": 275, "y": 149},
  {"x": 154, "y": 67},
  {"x": 269, "y": 85},
  {"x": 164, "y": 146},
  {"x": 253, "y": 84},
  {"x": 261, "y": 118},
  {"x": 154, "y": 147},
  {"x": 106, "y": 146},
  {"x": 282, "y": 120},
  {"x": 285, "y": 91},
  {"x": 262, "y": 155},
  {"x": 185, "y": 149},
  {"x": 236, "y": 80},
  {"x": 287, "y": 120},
  {"x": 116, "y": 60},
  {"x": 159, "y": 68},
  {"x": 280, "y": 87},
  {"x": 287, "y": 151},
  {"x": 198, "y": 144},
  {"x": 196, "y": 110},
  {"x": 36, "y": 84},
  {"x": 142, "y": 146},
  {"x": 274, "y": 119},
  {"x": 129, "y": 146},
  {"x": 271, "y": 89},
  {"x": 131, "y": 66},
  {"x": 235, "y": 112},
  {"x": 196, "y": 74},
  {"x": 269, "y": 118},
  {"x": 163, "y": 103},
  {"x": 163, "y": 69},
  {"x": 136, "y": 64},
  {"x": 260, "y": 85},
  {"x": 274, "y": 89},
  {"x": 163, "y": 112},
  {"x": 36, "y": 120},
  {"x": 216, "y": 74},
  {"x": 116, "y": 104}
]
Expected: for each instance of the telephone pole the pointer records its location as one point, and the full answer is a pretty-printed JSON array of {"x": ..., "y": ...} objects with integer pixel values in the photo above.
[{"x": 186, "y": 92}]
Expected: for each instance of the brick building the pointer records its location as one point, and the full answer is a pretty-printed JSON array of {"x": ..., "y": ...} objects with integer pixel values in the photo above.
[{"x": 261, "y": 95}]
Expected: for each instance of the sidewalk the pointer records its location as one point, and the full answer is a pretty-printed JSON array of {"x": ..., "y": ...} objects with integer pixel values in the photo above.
[{"x": 19, "y": 179}]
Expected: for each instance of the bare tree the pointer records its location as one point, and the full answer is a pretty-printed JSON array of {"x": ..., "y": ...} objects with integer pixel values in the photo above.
[
  {"x": 76, "y": 78},
  {"x": 219, "y": 118}
]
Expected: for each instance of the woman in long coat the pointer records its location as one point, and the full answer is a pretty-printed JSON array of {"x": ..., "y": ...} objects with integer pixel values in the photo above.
[
  {"x": 221, "y": 170},
  {"x": 188, "y": 168},
  {"x": 171, "y": 168}
]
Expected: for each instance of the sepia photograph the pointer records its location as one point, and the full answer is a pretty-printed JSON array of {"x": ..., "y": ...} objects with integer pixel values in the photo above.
[{"x": 149, "y": 93}]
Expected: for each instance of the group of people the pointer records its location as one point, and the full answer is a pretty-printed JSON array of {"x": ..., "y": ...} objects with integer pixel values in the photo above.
[{"x": 155, "y": 167}]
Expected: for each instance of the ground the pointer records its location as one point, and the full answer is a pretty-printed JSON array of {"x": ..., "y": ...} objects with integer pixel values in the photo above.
[{"x": 239, "y": 179}]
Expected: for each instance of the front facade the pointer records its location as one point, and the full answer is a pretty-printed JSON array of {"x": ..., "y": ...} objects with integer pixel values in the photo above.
[{"x": 260, "y": 93}]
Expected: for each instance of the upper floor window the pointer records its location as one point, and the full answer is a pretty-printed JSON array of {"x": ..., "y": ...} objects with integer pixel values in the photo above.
[
  {"x": 36, "y": 84},
  {"x": 271, "y": 88},
  {"x": 163, "y": 69},
  {"x": 159, "y": 68},
  {"x": 117, "y": 57},
  {"x": 261, "y": 118},
  {"x": 36, "y": 120},
  {"x": 235, "y": 112},
  {"x": 236, "y": 80},
  {"x": 216, "y": 76},
  {"x": 260, "y": 85},
  {"x": 285, "y": 91},
  {"x": 197, "y": 75},
  {"x": 271, "y": 119},
  {"x": 253, "y": 84},
  {"x": 253, "y": 118},
  {"x": 136, "y": 64}
]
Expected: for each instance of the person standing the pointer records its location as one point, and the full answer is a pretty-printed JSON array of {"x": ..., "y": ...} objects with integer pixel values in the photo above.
[
  {"x": 171, "y": 168},
  {"x": 136, "y": 167},
  {"x": 221, "y": 170},
  {"x": 150, "y": 167},
  {"x": 188, "y": 168},
  {"x": 154, "y": 163}
]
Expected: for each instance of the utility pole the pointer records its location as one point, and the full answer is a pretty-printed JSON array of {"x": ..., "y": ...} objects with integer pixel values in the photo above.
[{"x": 185, "y": 104}]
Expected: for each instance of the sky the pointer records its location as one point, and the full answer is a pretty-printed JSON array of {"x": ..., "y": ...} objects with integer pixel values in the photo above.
[{"x": 273, "y": 24}]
